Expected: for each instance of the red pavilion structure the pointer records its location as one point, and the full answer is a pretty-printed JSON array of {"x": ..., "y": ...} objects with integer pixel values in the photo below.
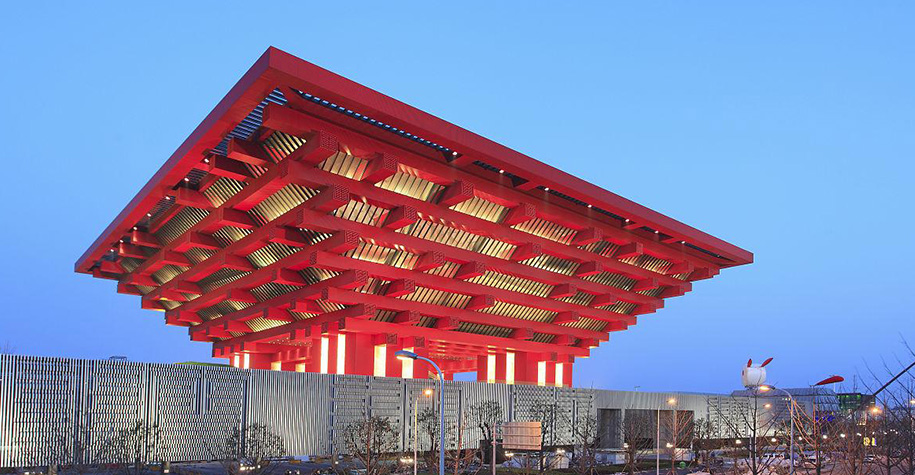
[{"x": 310, "y": 223}]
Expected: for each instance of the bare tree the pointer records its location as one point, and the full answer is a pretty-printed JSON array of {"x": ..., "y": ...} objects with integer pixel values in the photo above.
[
  {"x": 892, "y": 439},
  {"x": 679, "y": 430},
  {"x": 462, "y": 460},
  {"x": 847, "y": 437},
  {"x": 703, "y": 440},
  {"x": 551, "y": 423},
  {"x": 637, "y": 427},
  {"x": 63, "y": 448},
  {"x": 253, "y": 449},
  {"x": 585, "y": 439},
  {"x": 135, "y": 448},
  {"x": 906, "y": 425},
  {"x": 373, "y": 441},
  {"x": 757, "y": 429},
  {"x": 428, "y": 422},
  {"x": 486, "y": 416}
]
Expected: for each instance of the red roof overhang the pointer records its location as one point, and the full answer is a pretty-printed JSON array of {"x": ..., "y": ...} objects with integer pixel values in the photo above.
[{"x": 276, "y": 68}]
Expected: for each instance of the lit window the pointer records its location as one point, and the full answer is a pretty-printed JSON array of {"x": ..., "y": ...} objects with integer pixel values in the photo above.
[
  {"x": 407, "y": 367},
  {"x": 325, "y": 342},
  {"x": 341, "y": 353},
  {"x": 490, "y": 368},
  {"x": 509, "y": 368},
  {"x": 381, "y": 357}
]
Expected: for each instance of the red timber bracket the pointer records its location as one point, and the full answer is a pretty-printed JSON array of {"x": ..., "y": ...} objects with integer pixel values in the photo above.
[
  {"x": 377, "y": 327},
  {"x": 528, "y": 245},
  {"x": 301, "y": 117},
  {"x": 381, "y": 271},
  {"x": 277, "y": 308},
  {"x": 472, "y": 263},
  {"x": 234, "y": 255},
  {"x": 277, "y": 67},
  {"x": 450, "y": 318},
  {"x": 281, "y": 271},
  {"x": 233, "y": 211}
]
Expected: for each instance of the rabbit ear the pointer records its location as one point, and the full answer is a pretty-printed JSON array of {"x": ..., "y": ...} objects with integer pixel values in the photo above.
[
  {"x": 830, "y": 380},
  {"x": 766, "y": 362},
  {"x": 749, "y": 362}
]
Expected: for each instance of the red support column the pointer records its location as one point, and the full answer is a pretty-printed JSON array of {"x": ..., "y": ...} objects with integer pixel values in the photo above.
[
  {"x": 482, "y": 368},
  {"x": 500, "y": 368},
  {"x": 260, "y": 360},
  {"x": 421, "y": 369},
  {"x": 526, "y": 367},
  {"x": 393, "y": 365},
  {"x": 360, "y": 354},
  {"x": 550, "y": 373},
  {"x": 331, "y": 341},
  {"x": 567, "y": 374},
  {"x": 313, "y": 364}
]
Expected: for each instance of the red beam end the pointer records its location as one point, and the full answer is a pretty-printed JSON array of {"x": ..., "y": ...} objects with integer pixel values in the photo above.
[
  {"x": 319, "y": 147},
  {"x": 565, "y": 317},
  {"x": 645, "y": 284},
  {"x": 400, "y": 287},
  {"x": 681, "y": 268},
  {"x": 520, "y": 214},
  {"x": 382, "y": 166},
  {"x": 633, "y": 249},
  {"x": 400, "y": 217},
  {"x": 329, "y": 199},
  {"x": 142, "y": 238},
  {"x": 228, "y": 168},
  {"x": 288, "y": 277},
  {"x": 562, "y": 291},
  {"x": 288, "y": 236},
  {"x": 525, "y": 252},
  {"x": 458, "y": 192},
  {"x": 192, "y": 198},
  {"x": 470, "y": 270},
  {"x": 589, "y": 268},
  {"x": 603, "y": 300},
  {"x": 587, "y": 236},
  {"x": 428, "y": 261},
  {"x": 408, "y": 318},
  {"x": 447, "y": 323},
  {"x": 247, "y": 152},
  {"x": 478, "y": 302}
]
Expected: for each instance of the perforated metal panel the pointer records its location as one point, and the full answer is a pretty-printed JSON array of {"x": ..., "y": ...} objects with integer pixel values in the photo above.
[{"x": 49, "y": 402}]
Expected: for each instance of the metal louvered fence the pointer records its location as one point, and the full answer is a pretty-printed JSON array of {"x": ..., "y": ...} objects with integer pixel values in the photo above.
[{"x": 49, "y": 402}]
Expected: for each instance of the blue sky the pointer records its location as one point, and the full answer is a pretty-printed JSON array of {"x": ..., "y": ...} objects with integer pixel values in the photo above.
[{"x": 786, "y": 129}]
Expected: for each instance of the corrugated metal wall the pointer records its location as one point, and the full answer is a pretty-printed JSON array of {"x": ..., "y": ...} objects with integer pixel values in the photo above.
[{"x": 49, "y": 402}]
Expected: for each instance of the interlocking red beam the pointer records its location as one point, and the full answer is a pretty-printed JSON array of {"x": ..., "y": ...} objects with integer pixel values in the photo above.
[
  {"x": 437, "y": 213},
  {"x": 311, "y": 117}
]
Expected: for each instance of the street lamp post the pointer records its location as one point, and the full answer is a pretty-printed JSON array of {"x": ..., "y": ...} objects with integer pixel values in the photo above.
[
  {"x": 792, "y": 402},
  {"x": 441, "y": 410},
  {"x": 657, "y": 455},
  {"x": 427, "y": 393},
  {"x": 791, "y": 415}
]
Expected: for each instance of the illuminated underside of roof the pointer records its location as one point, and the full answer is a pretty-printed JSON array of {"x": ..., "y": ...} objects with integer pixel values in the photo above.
[{"x": 313, "y": 224}]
